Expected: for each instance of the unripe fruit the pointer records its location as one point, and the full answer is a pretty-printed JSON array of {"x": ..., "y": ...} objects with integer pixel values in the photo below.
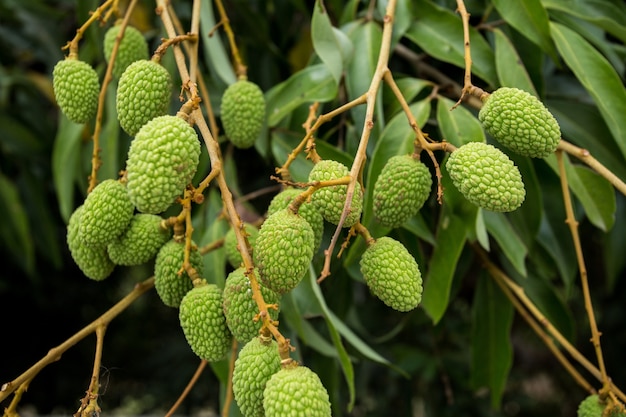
[
  {"x": 243, "y": 112},
  {"x": 240, "y": 308},
  {"x": 306, "y": 210},
  {"x": 330, "y": 200},
  {"x": 133, "y": 47},
  {"x": 486, "y": 177},
  {"x": 230, "y": 244},
  {"x": 169, "y": 284},
  {"x": 256, "y": 363},
  {"x": 107, "y": 212},
  {"x": 162, "y": 160},
  {"x": 519, "y": 121},
  {"x": 93, "y": 261},
  {"x": 296, "y": 391},
  {"x": 591, "y": 406},
  {"x": 401, "y": 190},
  {"x": 143, "y": 93},
  {"x": 284, "y": 250},
  {"x": 203, "y": 322},
  {"x": 76, "y": 87},
  {"x": 140, "y": 242},
  {"x": 392, "y": 274}
]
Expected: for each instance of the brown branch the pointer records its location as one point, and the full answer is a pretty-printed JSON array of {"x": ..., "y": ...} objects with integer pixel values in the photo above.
[{"x": 187, "y": 390}]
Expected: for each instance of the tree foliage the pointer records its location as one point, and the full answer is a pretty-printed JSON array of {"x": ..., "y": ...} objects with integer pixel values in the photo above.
[{"x": 510, "y": 300}]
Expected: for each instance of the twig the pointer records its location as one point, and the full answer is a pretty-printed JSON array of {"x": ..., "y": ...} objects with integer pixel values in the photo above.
[{"x": 187, "y": 390}]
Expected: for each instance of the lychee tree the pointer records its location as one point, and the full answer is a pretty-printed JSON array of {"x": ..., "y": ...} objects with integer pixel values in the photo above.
[{"x": 344, "y": 208}]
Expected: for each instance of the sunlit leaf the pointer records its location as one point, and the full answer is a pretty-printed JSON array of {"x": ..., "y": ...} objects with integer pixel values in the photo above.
[
  {"x": 510, "y": 68},
  {"x": 331, "y": 45},
  {"x": 458, "y": 126},
  {"x": 514, "y": 249}
]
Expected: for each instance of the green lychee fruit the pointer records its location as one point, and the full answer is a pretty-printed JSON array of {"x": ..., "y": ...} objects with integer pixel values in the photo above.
[
  {"x": 140, "y": 242},
  {"x": 519, "y": 121},
  {"x": 392, "y": 274},
  {"x": 230, "y": 244},
  {"x": 162, "y": 160},
  {"x": 590, "y": 407},
  {"x": 133, "y": 47},
  {"x": 93, "y": 261},
  {"x": 306, "y": 210},
  {"x": 240, "y": 308},
  {"x": 107, "y": 212},
  {"x": 203, "y": 322},
  {"x": 296, "y": 391},
  {"x": 486, "y": 176},
  {"x": 169, "y": 284},
  {"x": 143, "y": 93},
  {"x": 76, "y": 88},
  {"x": 257, "y": 361},
  {"x": 243, "y": 113},
  {"x": 284, "y": 250},
  {"x": 401, "y": 190},
  {"x": 330, "y": 200}
]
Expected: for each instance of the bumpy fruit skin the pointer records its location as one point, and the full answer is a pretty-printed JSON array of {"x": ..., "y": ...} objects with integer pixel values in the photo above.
[
  {"x": 203, "y": 322},
  {"x": 76, "y": 88},
  {"x": 256, "y": 363},
  {"x": 243, "y": 112},
  {"x": 486, "y": 177},
  {"x": 230, "y": 244},
  {"x": 140, "y": 242},
  {"x": 401, "y": 190},
  {"x": 133, "y": 47},
  {"x": 284, "y": 250},
  {"x": 143, "y": 93},
  {"x": 240, "y": 308},
  {"x": 591, "y": 406},
  {"x": 170, "y": 286},
  {"x": 519, "y": 121},
  {"x": 296, "y": 391},
  {"x": 93, "y": 261},
  {"x": 330, "y": 200},
  {"x": 392, "y": 274},
  {"x": 306, "y": 210},
  {"x": 162, "y": 160},
  {"x": 107, "y": 212}
]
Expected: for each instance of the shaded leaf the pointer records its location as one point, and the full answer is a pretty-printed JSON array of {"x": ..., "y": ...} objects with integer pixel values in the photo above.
[
  {"x": 492, "y": 353},
  {"x": 595, "y": 193},
  {"x": 609, "y": 16},
  {"x": 439, "y": 32},
  {"x": 458, "y": 126},
  {"x": 512, "y": 246},
  {"x": 531, "y": 19},
  {"x": 510, "y": 68},
  {"x": 410, "y": 88},
  {"x": 15, "y": 229},
  {"x": 214, "y": 229},
  {"x": 314, "y": 83},
  {"x": 216, "y": 56},
  {"x": 331, "y": 45},
  {"x": 597, "y": 76},
  {"x": 450, "y": 237}
]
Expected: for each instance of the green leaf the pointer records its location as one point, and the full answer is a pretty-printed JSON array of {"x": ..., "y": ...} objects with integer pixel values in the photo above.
[
  {"x": 450, "y": 237},
  {"x": 314, "y": 83},
  {"x": 482, "y": 236},
  {"x": 509, "y": 65},
  {"x": 514, "y": 249},
  {"x": 66, "y": 163},
  {"x": 439, "y": 32},
  {"x": 602, "y": 13},
  {"x": 492, "y": 353},
  {"x": 531, "y": 19},
  {"x": 597, "y": 76},
  {"x": 410, "y": 88},
  {"x": 214, "y": 229},
  {"x": 582, "y": 124},
  {"x": 595, "y": 193},
  {"x": 526, "y": 220},
  {"x": 344, "y": 358},
  {"x": 216, "y": 57},
  {"x": 109, "y": 139},
  {"x": 331, "y": 45},
  {"x": 366, "y": 38},
  {"x": 458, "y": 126},
  {"x": 15, "y": 228}
]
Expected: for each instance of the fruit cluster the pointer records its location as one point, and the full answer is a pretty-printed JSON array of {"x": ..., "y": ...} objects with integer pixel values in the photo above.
[{"x": 120, "y": 221}]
